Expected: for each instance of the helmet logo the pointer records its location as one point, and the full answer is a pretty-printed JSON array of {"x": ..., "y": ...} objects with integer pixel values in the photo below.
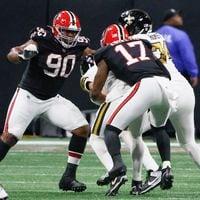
[
  {"x": 113, "y": 34},
  {"x": 129, "y": 19},
  {"x": 63, "y": 20}
]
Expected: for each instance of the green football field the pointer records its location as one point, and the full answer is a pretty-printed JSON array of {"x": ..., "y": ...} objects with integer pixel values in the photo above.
[{"x": 32, "y": 174}]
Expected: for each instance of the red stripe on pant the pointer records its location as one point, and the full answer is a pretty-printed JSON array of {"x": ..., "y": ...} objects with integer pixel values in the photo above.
[
  {"x": 5, "y": 130},
  {"x": 137, "y": 85}
]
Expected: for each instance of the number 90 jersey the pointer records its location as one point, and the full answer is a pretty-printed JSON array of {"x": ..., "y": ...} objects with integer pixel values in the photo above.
[{"x": 47, "y": 71}]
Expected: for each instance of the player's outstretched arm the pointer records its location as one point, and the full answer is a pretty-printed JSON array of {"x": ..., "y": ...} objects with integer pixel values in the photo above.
[
  {"x": 88, "y": 51},
  {"x": 23, "y": 52},
  {"x": 99, "y": 81}
]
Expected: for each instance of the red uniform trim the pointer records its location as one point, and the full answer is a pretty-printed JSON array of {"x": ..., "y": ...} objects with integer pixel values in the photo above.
[
  {"x": 137, "y": 85},
  {"x": 74, "y": 154},
  {"x": 5, "y": 130}
]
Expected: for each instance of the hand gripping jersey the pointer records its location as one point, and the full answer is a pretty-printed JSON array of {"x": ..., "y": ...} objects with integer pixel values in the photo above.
[
  {"x": 114, "y": 88},
  {"x": 47, "y": 71},
  {"x": 132, "y": 61}
]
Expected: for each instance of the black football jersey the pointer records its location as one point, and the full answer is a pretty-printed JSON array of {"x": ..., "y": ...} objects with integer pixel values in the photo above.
[
  {"x": 131, "y": 61},
  {"x": 47, "y": 71}
]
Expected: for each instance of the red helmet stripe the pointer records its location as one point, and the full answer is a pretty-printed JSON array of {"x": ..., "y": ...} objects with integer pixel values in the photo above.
[
  {"x": 120, "y": 32},
  {"x": 123, "y": 32},
  {"x": 72, "y": 17}
]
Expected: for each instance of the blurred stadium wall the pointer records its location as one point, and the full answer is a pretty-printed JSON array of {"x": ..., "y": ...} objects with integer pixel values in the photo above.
[{"x": 20, "y": 16}]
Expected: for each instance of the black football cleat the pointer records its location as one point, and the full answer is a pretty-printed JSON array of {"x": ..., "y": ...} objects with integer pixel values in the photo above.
[
  {"x": 136, "y": 187},
  {"x": 67, "y": 183},
  {"x": 167, "y": 179},
  {"x": 153, "y": 180},
  {"x": 116, "y": 184},
  {"x": 104, "y": 180},
  {"x": 117, "y": 170}
]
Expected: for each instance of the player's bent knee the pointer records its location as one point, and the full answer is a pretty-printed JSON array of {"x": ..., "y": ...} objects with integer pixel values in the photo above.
[
  {"x": 191, "y": 147},
  {"x": 9, "y": 139},
  {"x": 82, "y": 131},
  {"x": 93, "y": 138}
]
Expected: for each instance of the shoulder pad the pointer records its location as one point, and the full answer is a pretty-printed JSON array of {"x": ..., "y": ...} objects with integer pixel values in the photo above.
[
  {"x": 144, "y": 38},
  {"x": 98, "y": 55},
  {"x": 155, "y": 36},
  {"x": 83, "y": 41},
  {"x": 41, "y": 33},
  {"x": 140, "y": 37}
]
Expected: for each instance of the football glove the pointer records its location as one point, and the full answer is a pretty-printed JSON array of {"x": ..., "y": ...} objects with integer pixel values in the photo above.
[
  {"x": 95, "y": 102},
  {"x": 28, "y": 52},
  {"x": 83, "y": 84},
  {"x": 86, "y": 63}
]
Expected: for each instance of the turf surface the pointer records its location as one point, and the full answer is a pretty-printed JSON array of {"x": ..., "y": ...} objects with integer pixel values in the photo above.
[{"x": 35, "y": 175}]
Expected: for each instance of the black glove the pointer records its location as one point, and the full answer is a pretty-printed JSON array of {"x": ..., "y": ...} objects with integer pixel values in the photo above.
[{"x": 86, "y": 63}]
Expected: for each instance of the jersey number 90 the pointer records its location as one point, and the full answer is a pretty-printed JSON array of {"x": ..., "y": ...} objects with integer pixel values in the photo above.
[{"x": 59, "y": 66}]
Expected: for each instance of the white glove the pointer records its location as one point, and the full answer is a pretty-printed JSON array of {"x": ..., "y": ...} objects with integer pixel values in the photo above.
[
  {"x": 29, "y": 52},
  {"x": 157, "y": 53},
  {"x": 95, "y": 102}
]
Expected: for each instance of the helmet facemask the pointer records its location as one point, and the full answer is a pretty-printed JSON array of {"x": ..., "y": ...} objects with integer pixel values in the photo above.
[
  {"x": 67, "y": 37},
  {"x": 66, "y": 28}
]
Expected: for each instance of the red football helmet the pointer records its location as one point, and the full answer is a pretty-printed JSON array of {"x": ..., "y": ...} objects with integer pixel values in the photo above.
[
  {"x": 114, "y": 33},
  {"x": 66, "y": 28}
]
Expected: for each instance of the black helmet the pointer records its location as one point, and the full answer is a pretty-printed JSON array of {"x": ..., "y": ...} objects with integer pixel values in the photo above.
[{"x": 136, "y": 21}]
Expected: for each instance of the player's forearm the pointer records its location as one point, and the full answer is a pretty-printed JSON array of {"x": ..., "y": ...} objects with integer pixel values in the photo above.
[
  {"x": 23, "y": 52},
  {"x": 97, "y": 98},
  {"x": 13, "y": 55}
]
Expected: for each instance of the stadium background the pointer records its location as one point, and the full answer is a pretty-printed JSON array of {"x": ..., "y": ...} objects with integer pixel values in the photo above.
[{"x": 20, "y": 16}]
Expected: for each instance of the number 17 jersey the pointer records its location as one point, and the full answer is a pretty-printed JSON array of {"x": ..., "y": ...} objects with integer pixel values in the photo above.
[
  {"x": 131, "y": 61},
  {"x": 46, "y": 72}
]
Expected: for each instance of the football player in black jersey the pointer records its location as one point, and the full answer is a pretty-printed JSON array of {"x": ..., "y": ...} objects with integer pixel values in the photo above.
[
  {"x": 133, "y": 62},
  {"x": 137, "y": 21},
  {"x": 52, "y": 53}
]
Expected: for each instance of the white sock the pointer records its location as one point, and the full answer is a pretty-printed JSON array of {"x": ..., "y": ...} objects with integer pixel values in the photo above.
[
  {"x": 74, "y": 157},
  {"x": 128, "y": 139},
  {"x": 137, "y": 157},
  {"x": 98, "y": 145},
  {"x": 166, "y": 164},
  {"x": 148, "y": 161}
]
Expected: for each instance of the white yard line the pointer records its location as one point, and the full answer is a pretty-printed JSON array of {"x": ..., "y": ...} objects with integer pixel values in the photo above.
[{"x": 61, "y": 143}]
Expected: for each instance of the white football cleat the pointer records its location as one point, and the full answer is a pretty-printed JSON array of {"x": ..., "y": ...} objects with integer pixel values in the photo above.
[{"x": 3, "y": 193}]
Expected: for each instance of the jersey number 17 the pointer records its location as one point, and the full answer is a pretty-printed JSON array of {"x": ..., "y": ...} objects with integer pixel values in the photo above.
[{"x": 130, "y": 59}]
